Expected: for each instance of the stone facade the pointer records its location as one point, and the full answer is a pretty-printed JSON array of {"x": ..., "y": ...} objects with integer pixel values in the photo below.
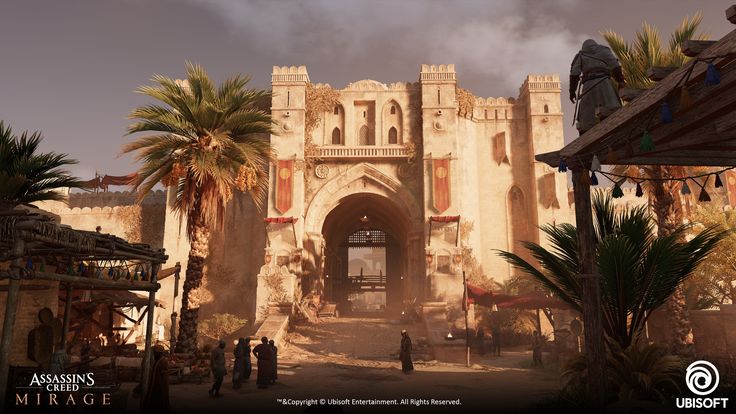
[{"x": 360, "y": 166}]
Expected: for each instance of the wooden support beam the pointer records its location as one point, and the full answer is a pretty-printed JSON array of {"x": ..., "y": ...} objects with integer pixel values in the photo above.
[
  {"x": 67, "y": 314},
  {"x": 148, "y": 351},
  {"x": 692, "y": 48},
  {"x": 657, "y": 73},
  {"x": 731, "y": 14},
  {"x": 595, "y": 351},
  {"x": 92, "y": 283},
  {"x": 11, "y": 308},
  {"x": 629, "y": 94}
]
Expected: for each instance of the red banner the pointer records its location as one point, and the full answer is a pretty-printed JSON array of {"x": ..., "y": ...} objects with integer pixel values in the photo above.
[
  {"x": 284, "y": 185},
  {"x": 441, "y": 184},
  {"x": 730, "y": 177}
]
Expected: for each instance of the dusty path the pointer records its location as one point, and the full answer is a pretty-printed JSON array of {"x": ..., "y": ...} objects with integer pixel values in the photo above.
[{"x": 350, "y": 358}]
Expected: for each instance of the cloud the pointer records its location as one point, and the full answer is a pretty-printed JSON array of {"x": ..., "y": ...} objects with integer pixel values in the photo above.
[{"x": 494, "y": 45}]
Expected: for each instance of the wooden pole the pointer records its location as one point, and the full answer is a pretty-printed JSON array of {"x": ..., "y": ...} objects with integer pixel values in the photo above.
[
  {"x": 148, "y": 352},
  {"x": 67, "y": 316},
  {"x": 591, "y": 300},
  {"x": 467, "y": 329},
  {"x": 93, "y": 283},
  {"x": 11, "y": 308},
  {"x": 172, "y": 333}
]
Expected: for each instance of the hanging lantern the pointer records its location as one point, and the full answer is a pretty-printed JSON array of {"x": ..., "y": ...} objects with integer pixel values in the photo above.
[
  {"x": 458, "y": 258},
  {"x": 712, "y": 77},
  {"x": 685, "y": 188},
  {"x": 429, "y": 258},
  {"x": 617, "y": 192},
  {"x": 562, "y": 167},
  {"x": 595, "y": 164},
  {"x": 666, "y": 113},
  {"x": 719, "y": 183},
  {"x": 704, "y": 197},
  {"x": 686, "y": 101},
  {"x": 647, "y": 143},
  {"x": 639, "y": 191},
  {"x": 611, "y": 158},
  {"x": 267, "y": 258},
  {"x": 593, "y": 179}
]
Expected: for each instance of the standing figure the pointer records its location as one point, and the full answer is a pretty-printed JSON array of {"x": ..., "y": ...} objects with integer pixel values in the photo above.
[
  {"x": 274, "y": 362},
  {"x": 480, "y": 338},
  {"x": 239, "y": 365},
  {"x": 596, "y": 64},
  {"x": 537, "y": 343},
  {"x": 248, "y": 366},
  {"x": 217, "y": 364},
  {"x": 496, "y": 333},
  {"x": 84, "y": 357},
  {"x": 156, "y": 399},
  {"x": 405, "y": 353},
  {"x": 264, "y": 353}
]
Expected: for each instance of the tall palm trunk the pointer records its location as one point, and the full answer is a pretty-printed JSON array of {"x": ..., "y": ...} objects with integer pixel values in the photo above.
[
  {"x": 199, "y": 250},
  {"x": 668, "y": 209}
]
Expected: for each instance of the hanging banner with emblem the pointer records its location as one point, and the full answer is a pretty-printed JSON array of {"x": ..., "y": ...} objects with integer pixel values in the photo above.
[
  {"x": 284, "y": 185},
  {"x": 441, "y": 184}
]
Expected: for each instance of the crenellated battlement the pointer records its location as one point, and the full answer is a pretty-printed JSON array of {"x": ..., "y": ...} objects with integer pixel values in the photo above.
[
  {"x": 289, "y": 74},
  {"x": 111, "y": 199},
  {"x": 479, "y": 102},
  {"x": 541, "y": 83},
  {"x": 438, "y": 73}
]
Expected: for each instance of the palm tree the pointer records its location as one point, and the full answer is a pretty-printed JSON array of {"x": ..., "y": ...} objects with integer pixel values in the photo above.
[
  {"x": 639, "y": 270},
  {"x": 27, "y": 176},
  {"x": 206, "y": 142},
  {"x": 636, "y": 58}
]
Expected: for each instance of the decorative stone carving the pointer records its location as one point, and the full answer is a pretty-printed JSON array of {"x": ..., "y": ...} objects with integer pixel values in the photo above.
[
  {"x": 438, "y": 126},
  {"x": 322, "y": 171}
]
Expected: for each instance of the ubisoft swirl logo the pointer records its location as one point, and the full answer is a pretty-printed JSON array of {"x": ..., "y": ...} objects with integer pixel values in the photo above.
[{"x": 702, "y": 377}]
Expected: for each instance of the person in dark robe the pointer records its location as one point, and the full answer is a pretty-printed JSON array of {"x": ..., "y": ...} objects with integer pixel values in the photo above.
[
  {"x": 496, "y": 338},
  {"x": 537, "y": 343},
  {"x": 594, "y": 65},
  {"x": 264, "y": 354},
  {"x": 239, "y": 365},
  {"x": 84, "y": 357},
  {"x": 405, "y": 353},
  {"x": 274, "y": 361},
  {"x": 217, "y": 364},
  {"x": 248, "y": 367},
  {"x": 480, "y": 338},
  {"x": 156, "y": 399}
]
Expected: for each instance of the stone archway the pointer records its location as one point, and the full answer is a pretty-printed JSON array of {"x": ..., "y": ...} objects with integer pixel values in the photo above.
[{"x": 335, "y": 213}]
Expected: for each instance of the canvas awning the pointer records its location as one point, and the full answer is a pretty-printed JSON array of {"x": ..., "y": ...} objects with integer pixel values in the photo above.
[{"x": 532, "y": 300}]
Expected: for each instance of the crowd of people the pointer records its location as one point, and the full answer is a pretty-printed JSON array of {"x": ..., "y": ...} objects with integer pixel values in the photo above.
[{"x": 266, "y": 354}]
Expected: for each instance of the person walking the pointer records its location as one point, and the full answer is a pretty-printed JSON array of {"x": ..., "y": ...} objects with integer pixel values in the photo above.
[
  {"x": 480, "y": 337},
  {"x": 496, "y": 338},
  {"x": 156, "y": 399},
  {"x": 405, "y": 353},
  {"x": 537, "y": 343},
  {"x": 274, "y": 361},
  {"x": 239, "y": 364},
  {"x": 264, "y": 354},
  {"x": 248, "y": 367},
  {"x": 217, "y": 364}
]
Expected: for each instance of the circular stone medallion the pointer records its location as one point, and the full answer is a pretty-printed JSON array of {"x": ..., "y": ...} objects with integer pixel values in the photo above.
[{"x": 322, "y": 171}]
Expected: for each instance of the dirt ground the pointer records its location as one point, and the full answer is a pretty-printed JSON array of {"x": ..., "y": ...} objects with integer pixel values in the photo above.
[{"x": 346, "y": 365}]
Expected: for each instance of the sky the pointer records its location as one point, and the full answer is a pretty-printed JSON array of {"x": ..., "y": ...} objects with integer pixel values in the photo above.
[{"x": 70, "y": 68}]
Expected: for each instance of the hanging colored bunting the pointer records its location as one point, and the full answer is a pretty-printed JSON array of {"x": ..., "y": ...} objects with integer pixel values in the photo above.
[
  {"x": 284, "y": 185},
  {"x": 441, "y": 184},
  {"x": 712, "y": 77}
]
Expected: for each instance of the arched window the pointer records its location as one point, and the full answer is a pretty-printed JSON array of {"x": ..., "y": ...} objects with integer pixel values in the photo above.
[
  {"x": 336, "y": 111},
  {"x": 393, "y": 110},
  {"x": 485, "y": 113},
  {"x": 336, "y": 138},
  {"x": 393, "y": 136},
  {"x": 546, "y": 109},
  {"x": 496, "y": 113},
  {"x": 363, "y": 136}
]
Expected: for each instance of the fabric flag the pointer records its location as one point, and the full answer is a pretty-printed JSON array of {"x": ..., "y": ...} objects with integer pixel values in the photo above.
[
  {"x": 441, "y": 184},
  {"x": 284, "y": 185},
  {"x": 480, "y": 296},
  {"x": 730, "y": 176}
]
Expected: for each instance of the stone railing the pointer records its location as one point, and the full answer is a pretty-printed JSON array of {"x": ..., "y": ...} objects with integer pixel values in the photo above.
[{"x": 361, "y": 152}]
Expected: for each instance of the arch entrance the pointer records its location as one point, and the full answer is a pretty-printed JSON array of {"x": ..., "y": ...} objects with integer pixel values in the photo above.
[{"x": 366, "y": 254}]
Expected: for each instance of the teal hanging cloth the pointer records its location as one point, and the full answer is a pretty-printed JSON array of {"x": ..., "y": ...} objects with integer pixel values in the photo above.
[{"x": 712, "y": 77}]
